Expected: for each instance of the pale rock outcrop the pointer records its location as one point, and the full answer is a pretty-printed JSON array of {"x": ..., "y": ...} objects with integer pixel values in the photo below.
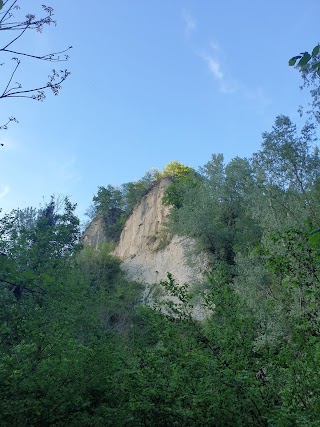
[
  {"x": 147, "y": 252},
  {"x": 145, "y": 248},
  {"x": 94, "y": 233}
]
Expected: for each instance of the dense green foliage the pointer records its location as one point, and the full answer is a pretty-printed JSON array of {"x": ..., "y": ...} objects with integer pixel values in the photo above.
[
  {"x": 258, "y": 221},
  {"x": 114, "y": 204},
  {"x": 61, "y": 308},
  {"x": 77, "y": 347},
  {"x": 175, "y": 170},
  {"x": 213, "y": 209}
]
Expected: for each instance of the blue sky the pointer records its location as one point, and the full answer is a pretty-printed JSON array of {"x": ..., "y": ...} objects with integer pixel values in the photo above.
[{"x": 151, "y": 82}]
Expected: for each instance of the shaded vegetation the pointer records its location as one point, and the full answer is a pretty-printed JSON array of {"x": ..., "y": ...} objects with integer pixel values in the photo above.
[
  {"x": 77, "y": 347},
  {"x": 115, "y": 204}
]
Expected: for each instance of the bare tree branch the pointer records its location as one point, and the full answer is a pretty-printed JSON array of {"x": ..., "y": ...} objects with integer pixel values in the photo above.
[
  {"x": 30, "y": 22},
  {"x": 47, "y": 57},
  {"x": 54, "y": 86},
  {"x": 13, "y": 73},
  {"x": 8, "y": 13},
  {"x": 15, "y": 39}
]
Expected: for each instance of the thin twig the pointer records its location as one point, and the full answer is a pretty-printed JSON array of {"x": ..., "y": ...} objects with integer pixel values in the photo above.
[{"x": 47, "y": 57}]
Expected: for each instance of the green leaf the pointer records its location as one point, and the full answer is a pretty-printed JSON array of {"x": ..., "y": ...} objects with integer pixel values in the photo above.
[
  {"x": 305, "y": 59},
  {"x": 316, "y": 50},
  {"x": 47, "y": 278},
  {"x": 316, "y": 65},
  {"x": 293, "y": 60},
  {"x": 29, "y": 274}
]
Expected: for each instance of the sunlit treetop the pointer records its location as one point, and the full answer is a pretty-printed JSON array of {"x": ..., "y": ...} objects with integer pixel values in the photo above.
[{"x": 175, "y": 169}]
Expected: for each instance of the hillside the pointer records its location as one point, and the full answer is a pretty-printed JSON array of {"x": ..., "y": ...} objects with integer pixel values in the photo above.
[
  {"x": 147, "y": 251},
  {"x": 82, "y": 342}
]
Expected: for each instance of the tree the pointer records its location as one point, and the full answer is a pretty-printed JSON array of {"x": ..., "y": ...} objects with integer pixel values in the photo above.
[
  {"x": 34, "y": 243},
  {"x": 308, "y": 65},
  {"x": 287, "y": 170},
  {"x": 114, "y": 204},
  {"x": 134, "y": 191},
  {"x": 16, "y": 28},
  {"x": 175, "y": 169},
  {"x": 307, "y": 61},
  {"x": 211, "y": 208},
  {"x": 45, "y": 326},
  {"x": 110, "y": 205},
  {"x": 184, "y": 179}
]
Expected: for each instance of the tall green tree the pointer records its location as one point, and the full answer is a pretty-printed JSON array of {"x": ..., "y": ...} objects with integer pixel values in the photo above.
[
  {"x": 214, "y": 211},
  {"x": 110, "y": 205},
  {"x": 288, "y": 169}
]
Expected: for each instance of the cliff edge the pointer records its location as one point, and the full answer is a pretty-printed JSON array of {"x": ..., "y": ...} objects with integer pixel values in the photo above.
[{"x": 147, "y": 251}]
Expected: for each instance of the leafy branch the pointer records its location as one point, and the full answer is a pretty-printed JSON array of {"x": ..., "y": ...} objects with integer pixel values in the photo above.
[
  {"x": 182, "y": 310},
  {"x": 306, "y": 59}
]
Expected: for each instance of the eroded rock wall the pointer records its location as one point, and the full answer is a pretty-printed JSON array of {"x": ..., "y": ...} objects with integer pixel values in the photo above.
[
  {"x": 146, "y": 250},
  {"x": 94, "y": 234}
]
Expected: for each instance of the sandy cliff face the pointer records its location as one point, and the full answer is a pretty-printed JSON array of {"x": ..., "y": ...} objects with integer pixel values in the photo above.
[
  {"x": 143, "y": 226},
  {"x": 144, "y": 247},
  {"x": 94, "y": 234}
]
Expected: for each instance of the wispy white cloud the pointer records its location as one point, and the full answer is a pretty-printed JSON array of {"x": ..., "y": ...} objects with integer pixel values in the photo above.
[
  {"x": 5, "y": 189},
  {"x": 227, "y": 84},
  {"x": 214, "y": 66},
  {"x": 189, "y": 22},
  {"x": 214, "y": 57}
]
